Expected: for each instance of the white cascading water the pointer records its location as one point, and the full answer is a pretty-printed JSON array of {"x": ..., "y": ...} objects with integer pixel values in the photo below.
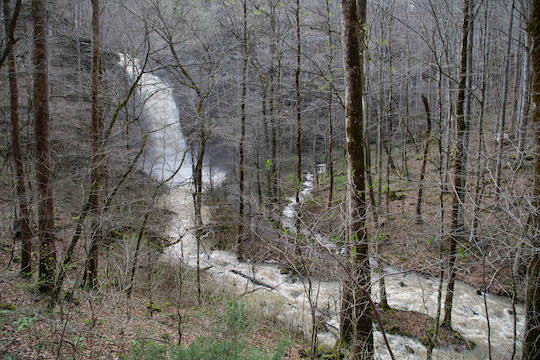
[
  {"x": 406, "y": 290},
  {"x": 166, "y": 145}
]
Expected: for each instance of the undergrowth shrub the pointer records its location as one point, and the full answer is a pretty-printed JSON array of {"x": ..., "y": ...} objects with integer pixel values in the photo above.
[{"x": 225, "y": 344}]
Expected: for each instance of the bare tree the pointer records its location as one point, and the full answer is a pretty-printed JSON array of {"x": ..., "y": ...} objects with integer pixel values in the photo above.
[
  {"x": 531, "y": 345},
  {"x": 424, "y": 160},
  {"x": 502, "y": 119},
  {"x": 23, "y": 221},
  {"x": 47, "y": 250},
  {"x": 10, "y": 27},
  {"x": 457, "y": 227},
  {"x": 298, "y": 104},
  {"x": 97, "y": 151},
  {"x": 356, "y": 326}
]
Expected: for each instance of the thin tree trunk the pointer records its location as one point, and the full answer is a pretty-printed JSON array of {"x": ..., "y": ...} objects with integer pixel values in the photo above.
[
  {"x": 456, "y": 233},
  {"x": 240, "y": 246},
  {"x": 298, "y": 105},
  {"x": 525, "y": 102},
  {"x": 517, "y": 80},
  {"x": 329, "y": 126},
  {"x": 419, "y": 219},
  {"x": 97, "y": 152},
  {"x": 47, "y": 250},
  {"x": 197, "y": 195},
  {"x": 329, "y": 159},
  {"x": 10, "y": 27},
  {"x": 502, "y": 119},
  {"x": 531, "y": 343},
  {"x": 479, "y": 187},
  {"x": 272, "y": 111},
  {"x": 469, "y": 94},
  {"x": 136, "y": 256},
  {"x": 367, "y": 148},
  {"x": 22, "y": 197}
]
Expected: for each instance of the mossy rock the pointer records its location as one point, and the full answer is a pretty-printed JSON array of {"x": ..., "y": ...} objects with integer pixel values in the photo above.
[{"x": 326, "y": 352}]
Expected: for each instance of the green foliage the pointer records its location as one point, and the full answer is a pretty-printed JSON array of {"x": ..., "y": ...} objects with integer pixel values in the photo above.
[
  {"x": 225, "y": 344},
  {"x": 208, "y": 348},
  {"x": 23, "y": 322},
  {"x": 236, "y": 318}
]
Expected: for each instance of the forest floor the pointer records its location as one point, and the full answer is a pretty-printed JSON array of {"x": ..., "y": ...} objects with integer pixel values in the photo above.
[
  {"x": 105, "y": 324},
  {"x": 486, "y": 261}
]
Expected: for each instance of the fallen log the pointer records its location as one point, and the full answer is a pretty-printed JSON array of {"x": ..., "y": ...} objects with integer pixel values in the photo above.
[{"x": 252, "y": 279}]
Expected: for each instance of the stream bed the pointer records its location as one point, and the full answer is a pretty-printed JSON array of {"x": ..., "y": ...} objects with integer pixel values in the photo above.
[
  {"x": 406, "y": 291},
  {"x": 285, "y": 293}
]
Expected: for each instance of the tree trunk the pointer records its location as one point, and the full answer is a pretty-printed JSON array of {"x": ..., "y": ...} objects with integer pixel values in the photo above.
[
  {"x": 272, "y": 112},
  {"x": 502, "y": 119},
  {"x": 298, "y": 104},
  {"x": 525, "y": 102},
  {"x": 457, "y": 227},
  {"x": 22, "y": 198},
  {"x": 197, "y": 195},
  {"x": 240, "y": 248},
  {"x": 97, "y": 152},
  {"x": 47, "y": 250},
  {"x": 329, "y": 159},
  {"x": 479, "y": 186},
  {"x": 357, "y": 325},
  {"x": 531, "y": 344},
  {"x": 419, "y": 219},
  {"x": 517, "y": 79},
  {"x": 469, "y": 93},
  {"x": 10, "y": 27}
]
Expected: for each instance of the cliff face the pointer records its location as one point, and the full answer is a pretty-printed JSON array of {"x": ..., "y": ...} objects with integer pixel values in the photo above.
[{"x": 70, "y": 126}]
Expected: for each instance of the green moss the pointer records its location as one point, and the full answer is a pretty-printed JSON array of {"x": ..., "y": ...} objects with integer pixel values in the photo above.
[{"x": 152, "y": 308}]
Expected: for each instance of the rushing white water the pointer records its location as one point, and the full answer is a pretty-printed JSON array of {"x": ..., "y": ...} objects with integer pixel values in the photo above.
[
  {"x": 166, "y": 144},
  {"x": 406, "y": 290}
]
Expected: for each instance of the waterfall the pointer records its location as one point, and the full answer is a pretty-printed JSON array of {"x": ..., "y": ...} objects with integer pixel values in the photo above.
[{"x": 166, "y": 143}]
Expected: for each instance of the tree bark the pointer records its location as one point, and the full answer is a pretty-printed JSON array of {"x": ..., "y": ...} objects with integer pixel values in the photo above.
[
  {"x": 356, "y": 324},
  {"x": 329, "y": 125},
  {"x": 517, "y": 80},
  {"x": 502, "y": 119},
  {"x": 298, "y": 110},
  {"x": 419, "y": 219},
  {"x": 457, "y": 226},
  {"x": 241, "y": 145},
  {"x": 47, "y": 250},
  {"x": 525, "y": 102},
  {"x": 531, "y": 345},
  {"x": 10, "y": 27},
  {"x": 97, "y": 153},
  {"x": 22, "y": 197}
]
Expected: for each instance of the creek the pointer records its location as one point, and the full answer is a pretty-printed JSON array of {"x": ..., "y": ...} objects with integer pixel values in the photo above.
[{"x": 288, "y": 295}]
